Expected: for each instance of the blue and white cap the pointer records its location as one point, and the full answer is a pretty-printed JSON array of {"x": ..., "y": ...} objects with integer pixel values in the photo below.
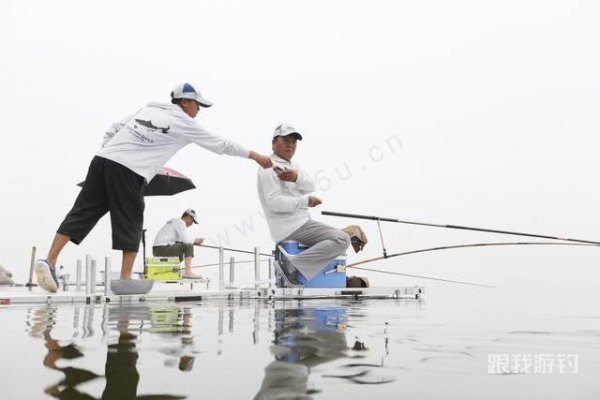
[
  {"x": 286, "y": 129},
  {"x": 191, "y": 213},
  {"x": 188, "y": 91}
]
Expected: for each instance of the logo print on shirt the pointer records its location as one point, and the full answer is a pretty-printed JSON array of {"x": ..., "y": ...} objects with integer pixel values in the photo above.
[{"x": 149, "y": 125}]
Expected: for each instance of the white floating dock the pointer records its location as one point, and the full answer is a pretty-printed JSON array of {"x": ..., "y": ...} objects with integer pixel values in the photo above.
[{"x": 191, "y": 291}]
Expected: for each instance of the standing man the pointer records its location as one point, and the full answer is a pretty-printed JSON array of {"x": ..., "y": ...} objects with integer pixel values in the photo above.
[
  {"x": 285, "y": 195},
  {"x": 173, "y": 240},
  {"x": 133, "y": 152}
]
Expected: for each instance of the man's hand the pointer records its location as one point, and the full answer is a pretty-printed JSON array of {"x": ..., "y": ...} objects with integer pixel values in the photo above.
[
  {"x": 198, "y": 241},
  {"x": 289, "y": 175},
  {"x": 261, "y": 160},
  {"x": 314, "y": 201}
]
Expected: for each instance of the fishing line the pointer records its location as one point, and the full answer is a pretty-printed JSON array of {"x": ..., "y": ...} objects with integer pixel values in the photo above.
[{"x": 424, "y": 277}]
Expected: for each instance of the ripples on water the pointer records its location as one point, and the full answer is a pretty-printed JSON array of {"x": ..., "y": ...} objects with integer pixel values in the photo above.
[{"x": 296, "y": 350}]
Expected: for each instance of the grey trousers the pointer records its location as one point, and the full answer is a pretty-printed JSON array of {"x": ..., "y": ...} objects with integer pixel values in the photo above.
[
  {"x": 181, "y": 250},
  {"x": 325, "y": 242}
]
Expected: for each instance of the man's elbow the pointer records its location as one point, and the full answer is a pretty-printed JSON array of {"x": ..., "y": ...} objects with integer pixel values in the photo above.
[
  {"x": 279, "y": 207},
  {"x": 309, "y": 189}
]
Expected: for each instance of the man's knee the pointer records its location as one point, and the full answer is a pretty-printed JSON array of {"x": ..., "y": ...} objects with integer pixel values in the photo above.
[
  {"x": 342, "y": 239},
  {"x": 188, "y": 250}
]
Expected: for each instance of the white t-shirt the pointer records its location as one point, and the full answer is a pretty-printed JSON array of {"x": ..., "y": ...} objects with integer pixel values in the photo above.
[
  {"x": 173, "y": 231},
  {"x": 285, "y": 203},
  {"x": 146, "y": 140}
]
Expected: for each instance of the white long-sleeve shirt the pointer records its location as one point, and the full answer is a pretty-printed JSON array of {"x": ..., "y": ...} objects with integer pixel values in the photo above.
[
  {"x": 146, "y": 140},
  {"x": 173, "y": 231},
  {"x": 285, "y": 204}
]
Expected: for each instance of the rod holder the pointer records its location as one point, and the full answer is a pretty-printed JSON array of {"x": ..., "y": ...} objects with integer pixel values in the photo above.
[
  {"x": 221, "y": 268},
  {"x": 93, "y": 277},
  {"x": 30, "y": 281},
  {"x": 107, "y": 276},
  {"x": 381, "y": 237},
  {"x": 231, "y": 270},
  {"x": 78, "y": 276},
  {"x": 88, "y": 274},
  {"x": 270, "y": 273},
  {"x": 256, "y": 268}
]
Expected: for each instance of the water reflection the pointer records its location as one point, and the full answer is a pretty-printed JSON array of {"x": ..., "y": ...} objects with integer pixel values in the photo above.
[
  {"x": 120, "y": 373},
  {"x": 304, "y": 339},
  {"x": 126, "y": 351},
  {"x": 42, "y": 323},
  {"x": 284, "y": 350}
]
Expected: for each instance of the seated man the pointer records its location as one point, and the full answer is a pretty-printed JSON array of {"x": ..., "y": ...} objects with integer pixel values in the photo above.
[
  {"x": 173, "y": 240},
  {"x": 284, "y": 193}
]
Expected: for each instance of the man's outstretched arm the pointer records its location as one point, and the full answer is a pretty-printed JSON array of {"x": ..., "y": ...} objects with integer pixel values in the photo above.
[{"x": 261, "y": 160}]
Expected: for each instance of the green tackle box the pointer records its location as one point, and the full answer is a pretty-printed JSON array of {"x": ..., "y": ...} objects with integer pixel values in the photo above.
[{"x": 162, "y": 268}]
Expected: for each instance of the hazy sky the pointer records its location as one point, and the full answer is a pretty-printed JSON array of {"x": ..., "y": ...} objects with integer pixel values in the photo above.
[{"x": 480, "y": 113}]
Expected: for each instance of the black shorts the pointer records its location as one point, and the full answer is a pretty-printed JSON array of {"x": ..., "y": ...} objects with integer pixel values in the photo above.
[{"x": 109, "y": 186}]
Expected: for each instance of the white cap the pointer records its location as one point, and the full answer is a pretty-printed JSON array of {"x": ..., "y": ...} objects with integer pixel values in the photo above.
[
  {"x": 191, "y": 213},
  {"x": 187, "y": 91},
  {"x": 286, "y": 129}
]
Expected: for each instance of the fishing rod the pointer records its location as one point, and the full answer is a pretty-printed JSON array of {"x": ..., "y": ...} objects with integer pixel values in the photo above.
[
  {"x": 466, "y": 228},
  {"x": 424, "y": 277},
  {"x": 405, "y": 253}
]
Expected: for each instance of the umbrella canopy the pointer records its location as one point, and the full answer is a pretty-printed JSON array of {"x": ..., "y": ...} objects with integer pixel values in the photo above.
[{"x": 166, "y": 182}]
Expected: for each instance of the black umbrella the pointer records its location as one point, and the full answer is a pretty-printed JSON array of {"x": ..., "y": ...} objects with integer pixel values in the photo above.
[{"x": 166, "y": 182}]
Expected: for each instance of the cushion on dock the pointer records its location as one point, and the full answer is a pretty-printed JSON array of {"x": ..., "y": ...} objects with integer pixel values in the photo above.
[{"x": 130, "y": 286}]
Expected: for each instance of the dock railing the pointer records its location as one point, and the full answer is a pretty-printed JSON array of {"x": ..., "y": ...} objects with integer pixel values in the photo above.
[
  {"x": 256, "y": 260},
  {"x": 91, "y": 282}
]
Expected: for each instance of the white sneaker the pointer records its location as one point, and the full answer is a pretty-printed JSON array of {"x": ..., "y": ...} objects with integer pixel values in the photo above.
[{"x": 46, "y": 276}]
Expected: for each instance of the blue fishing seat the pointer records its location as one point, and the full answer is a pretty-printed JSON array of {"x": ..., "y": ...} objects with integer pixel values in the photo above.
[{"x": 332, "y": 275}]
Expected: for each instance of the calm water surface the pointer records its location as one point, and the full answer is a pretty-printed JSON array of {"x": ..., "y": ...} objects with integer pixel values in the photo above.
[{"x": 437, "y": 348}]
